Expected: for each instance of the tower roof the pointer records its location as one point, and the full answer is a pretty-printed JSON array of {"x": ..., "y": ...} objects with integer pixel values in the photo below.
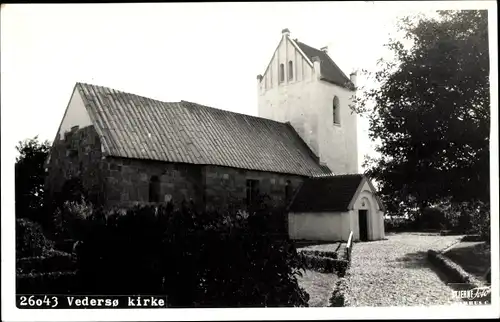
[{"x": 330, "y": 72}]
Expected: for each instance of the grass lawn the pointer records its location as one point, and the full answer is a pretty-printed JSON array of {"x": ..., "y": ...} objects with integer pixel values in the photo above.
[
  {"x": 474, "y": 257},
  {"x": 319, "y": 286}
]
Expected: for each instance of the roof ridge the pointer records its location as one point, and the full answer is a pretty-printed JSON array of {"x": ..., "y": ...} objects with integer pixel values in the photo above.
[
  {"x": 248, "y": 115},
  {"x": 339, "y": 175},
  {"x": 126, "y": 92},
  {"x": 174, "y": 102}
]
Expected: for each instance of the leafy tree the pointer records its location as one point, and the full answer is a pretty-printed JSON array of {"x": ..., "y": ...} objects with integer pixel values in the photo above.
[
  {"x": 430, "y": 112},
  {"x": 30, "y": 178}
]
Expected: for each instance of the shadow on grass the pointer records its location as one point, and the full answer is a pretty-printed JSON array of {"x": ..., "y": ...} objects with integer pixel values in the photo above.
[
  {"x": 456, "y": 286},
  {"x": 473, "y": 257},
  {"x": 413, "y": 260}
]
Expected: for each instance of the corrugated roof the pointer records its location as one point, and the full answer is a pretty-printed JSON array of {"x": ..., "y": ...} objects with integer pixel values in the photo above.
[
  {"x": 329, "y": 70},
  {"x": 330, "y": 193},
  {"x": 133, "y": 126}
]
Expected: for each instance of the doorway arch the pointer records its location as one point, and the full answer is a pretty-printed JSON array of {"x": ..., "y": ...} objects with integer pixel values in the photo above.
[{"x": 364, "y": 213}]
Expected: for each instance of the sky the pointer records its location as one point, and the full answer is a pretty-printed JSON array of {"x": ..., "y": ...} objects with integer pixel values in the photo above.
[{"x": 209, "y": 53}]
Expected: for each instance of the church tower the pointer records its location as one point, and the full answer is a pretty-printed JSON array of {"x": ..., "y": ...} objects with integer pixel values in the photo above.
[{"x": 303, "y": 86}]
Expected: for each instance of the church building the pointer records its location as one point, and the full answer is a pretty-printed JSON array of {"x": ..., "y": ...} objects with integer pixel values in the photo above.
[{"x": 300, "y": 153}]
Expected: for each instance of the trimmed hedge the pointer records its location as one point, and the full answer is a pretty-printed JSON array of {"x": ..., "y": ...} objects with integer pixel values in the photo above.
[
  {"x": 319, "y": 253},
  {"x": 47, "y": 283},
  {"x": 340, "y": 294},
  {"x": 453, "y": 271},
  {"x": 58, "y": 261},
  {"x": 325, "y": 264}
]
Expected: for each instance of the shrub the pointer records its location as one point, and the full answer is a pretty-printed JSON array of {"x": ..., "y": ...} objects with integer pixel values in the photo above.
[
  {"x": 70, "y": 218},
  {"x": 398, "y": 224},
  {"x": 57, "y": 261},
  {"x": 431, "y": 218},
  {"x": 30, "y": 240},
  {"x": 72, "y": 190},
  {"x": 469, "y": 217},
  {"x": 210, "y": 259},
  {"x": 47, "y": 283},
  {"x": 481, "y": 223}
]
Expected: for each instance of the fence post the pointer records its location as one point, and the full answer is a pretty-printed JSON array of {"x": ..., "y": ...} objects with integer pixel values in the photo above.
[{"x": 349, "y": 246}]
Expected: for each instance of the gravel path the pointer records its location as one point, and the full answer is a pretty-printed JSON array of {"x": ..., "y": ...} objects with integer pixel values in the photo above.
[{"x": 395, "y": 272}]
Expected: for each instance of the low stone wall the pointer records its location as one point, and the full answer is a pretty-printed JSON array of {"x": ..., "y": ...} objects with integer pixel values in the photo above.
[
  {"x": 324, "y": 264},
  {"x": 341, "y": 295},
  {"x": 318, "y": 253},
  {"x": 453, "y": 271}
]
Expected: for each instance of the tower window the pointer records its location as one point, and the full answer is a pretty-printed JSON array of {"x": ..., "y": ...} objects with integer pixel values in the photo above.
[
  {"x": 336, "y": 110},
  {"x": 282, "y": 73},
  {"x": 290, "y": 70},
  {"x": 154, "y": 189}
]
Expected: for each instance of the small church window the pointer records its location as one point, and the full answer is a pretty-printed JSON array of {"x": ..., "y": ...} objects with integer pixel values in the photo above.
[
  {"x": 252, "y": 191},
  {"x": 154, "y": 189},
  {"x": 288, "y": 191},
  {"x": 290, "y": 70},
  {"x": 336, "y": 110},
  {"x": 282, "y": 73}
]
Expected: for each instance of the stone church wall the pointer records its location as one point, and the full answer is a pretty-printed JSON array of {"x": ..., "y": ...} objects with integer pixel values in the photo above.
[
  {"x": 76, "y": 155},
  {"x": 228, "y": 185},
  {"x": 114, "y": 181},
  {"x": 127, "y": 181}
]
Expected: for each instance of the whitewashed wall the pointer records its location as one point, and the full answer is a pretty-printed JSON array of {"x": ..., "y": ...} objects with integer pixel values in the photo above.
[
  {"x": 375, "y": 214},
  {"x": 318, "y": 226},
  {"x": 75, "y": 115}
]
